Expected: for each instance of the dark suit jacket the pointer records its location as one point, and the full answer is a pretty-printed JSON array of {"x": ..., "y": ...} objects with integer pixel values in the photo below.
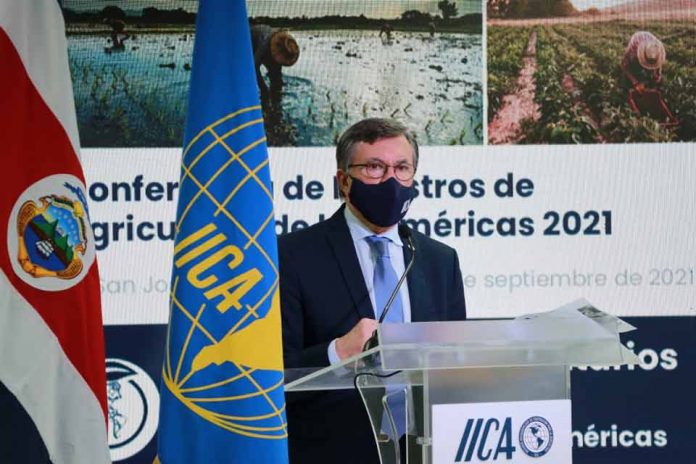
[{"x": 322, "y": 296}]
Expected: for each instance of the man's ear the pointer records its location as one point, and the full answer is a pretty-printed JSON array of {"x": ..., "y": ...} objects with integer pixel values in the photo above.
[{"x": 343, "y": 181}]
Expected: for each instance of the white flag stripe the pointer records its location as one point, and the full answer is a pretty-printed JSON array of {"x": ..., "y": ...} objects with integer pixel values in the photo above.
[
  {"x": 35, "y": 369},
  {"x": 37, "y": 31},
  {"x": 33, "y": 365}
]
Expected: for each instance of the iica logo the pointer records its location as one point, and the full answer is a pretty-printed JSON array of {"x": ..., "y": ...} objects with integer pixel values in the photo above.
[
  {"x": 486, "y": 439},
  {"x": 133, "y": 406},
  {"x": 536, "y": 436},
  {"x": 490, "y": 439}
]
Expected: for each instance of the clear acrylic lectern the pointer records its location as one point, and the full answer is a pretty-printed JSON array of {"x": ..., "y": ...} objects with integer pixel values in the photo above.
[{"x": 422, "y": 364}]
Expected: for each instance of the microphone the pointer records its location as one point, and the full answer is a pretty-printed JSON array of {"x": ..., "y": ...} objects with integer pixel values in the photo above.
[{"x": 407, "y": 237}]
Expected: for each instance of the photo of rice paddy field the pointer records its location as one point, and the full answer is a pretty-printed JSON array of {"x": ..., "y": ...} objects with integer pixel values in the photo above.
[
  {"x": 131, "y": 97},
  {"x": 137, "y": 95}
]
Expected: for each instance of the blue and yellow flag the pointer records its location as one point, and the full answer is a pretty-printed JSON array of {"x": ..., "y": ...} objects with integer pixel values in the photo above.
[{"x": 222, "y": 388}]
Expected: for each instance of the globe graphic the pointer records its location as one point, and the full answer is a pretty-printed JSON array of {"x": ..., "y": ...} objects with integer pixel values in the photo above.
[
  {"x": 536, "y": 436},
  {"x": 223, "y": 359}
]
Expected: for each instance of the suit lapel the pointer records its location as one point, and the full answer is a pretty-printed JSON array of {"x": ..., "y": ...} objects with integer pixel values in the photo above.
[{"x": 342, "y": 244}]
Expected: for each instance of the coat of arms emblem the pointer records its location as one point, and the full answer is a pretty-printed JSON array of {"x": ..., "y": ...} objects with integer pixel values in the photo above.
[{"x": 52, "y": 239}]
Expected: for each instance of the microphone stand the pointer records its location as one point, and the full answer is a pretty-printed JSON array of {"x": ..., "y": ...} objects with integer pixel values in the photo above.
[{"x": 405, "y": 233}]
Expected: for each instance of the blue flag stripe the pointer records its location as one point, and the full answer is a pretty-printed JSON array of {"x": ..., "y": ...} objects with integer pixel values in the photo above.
[{"x": 222, "y": 397}]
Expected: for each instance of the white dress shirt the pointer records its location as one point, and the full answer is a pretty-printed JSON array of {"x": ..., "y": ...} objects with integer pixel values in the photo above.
[{"x": 359, "y": 233}]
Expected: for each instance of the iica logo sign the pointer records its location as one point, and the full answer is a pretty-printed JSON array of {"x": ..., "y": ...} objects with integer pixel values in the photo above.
[
  {"x": 509, "y": 432},
  {"x": 536, "y": 436}
]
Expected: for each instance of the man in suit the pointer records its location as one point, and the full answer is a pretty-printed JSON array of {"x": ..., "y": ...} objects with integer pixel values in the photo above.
[{"x": 331, "y": 279}]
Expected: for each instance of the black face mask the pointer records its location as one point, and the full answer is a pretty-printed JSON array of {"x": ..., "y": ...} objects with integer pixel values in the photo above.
[{"x": 382, "y": 204}]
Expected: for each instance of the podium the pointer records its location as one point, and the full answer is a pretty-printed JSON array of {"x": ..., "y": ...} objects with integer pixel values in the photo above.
[{"x": 420, "y": 380}]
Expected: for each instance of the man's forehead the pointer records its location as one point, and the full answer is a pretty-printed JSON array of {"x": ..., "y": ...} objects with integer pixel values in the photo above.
[
  {"x": 377, "y": 158},
  {"x": 390, "y": 149}
]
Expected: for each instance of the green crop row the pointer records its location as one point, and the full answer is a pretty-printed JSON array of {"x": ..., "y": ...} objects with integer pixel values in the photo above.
[
  {"x": 562, "y": 119},
  {"x": 506, "y": 46}
]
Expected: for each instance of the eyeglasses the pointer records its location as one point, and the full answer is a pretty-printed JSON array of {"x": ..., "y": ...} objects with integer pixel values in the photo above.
[{"x": 377, "y": 170}]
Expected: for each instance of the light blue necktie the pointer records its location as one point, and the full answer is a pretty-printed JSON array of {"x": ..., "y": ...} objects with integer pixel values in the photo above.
[{"x": 385, "y": 280}]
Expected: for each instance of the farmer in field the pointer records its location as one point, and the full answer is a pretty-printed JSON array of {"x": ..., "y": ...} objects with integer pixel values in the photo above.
[
  {"x": 386, "y": 31},
  {"x": 642, "y": 65},
  {"x": 118, "y": 33},
  {"x": 642, "y": 61},
  {"x": 273, "y": 48}
]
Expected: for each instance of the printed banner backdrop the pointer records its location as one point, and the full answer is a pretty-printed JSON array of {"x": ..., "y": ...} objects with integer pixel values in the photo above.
[
  {"x": 534, "y": 228},
  {"x": 609, "y": 218}
]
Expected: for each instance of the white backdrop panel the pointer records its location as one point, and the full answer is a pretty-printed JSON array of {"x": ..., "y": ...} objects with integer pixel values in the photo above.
[{"x": 624, "y": 231}]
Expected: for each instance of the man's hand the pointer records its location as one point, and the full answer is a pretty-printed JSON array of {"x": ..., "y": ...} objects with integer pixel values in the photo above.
[
  {"x": 352, "y": 343},
  {"x": 640, "y": 88}
]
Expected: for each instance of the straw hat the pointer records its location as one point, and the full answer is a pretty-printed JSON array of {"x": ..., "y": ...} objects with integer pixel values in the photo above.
[
  {"x": 651, "y": 54},
  {"x": 284, "y": 48}
]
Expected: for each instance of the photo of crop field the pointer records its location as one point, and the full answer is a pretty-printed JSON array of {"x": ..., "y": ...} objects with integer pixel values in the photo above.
[
  {"x": 421, "y": 65},
  {"x": 559, "y": 79}
]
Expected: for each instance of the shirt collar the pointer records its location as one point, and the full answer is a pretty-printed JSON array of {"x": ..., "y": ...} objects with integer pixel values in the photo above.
[{"x": 359, "y": 231}]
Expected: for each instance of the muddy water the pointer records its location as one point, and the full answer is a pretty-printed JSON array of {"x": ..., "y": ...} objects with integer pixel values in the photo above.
[
  {"x": 432, "y": 85},
  {"x": 132, "y": 97},
  {"x": 138, "y": 96}
]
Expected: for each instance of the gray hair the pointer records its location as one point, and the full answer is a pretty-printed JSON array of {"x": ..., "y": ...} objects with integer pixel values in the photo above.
[{"x": 369, "y": 131}]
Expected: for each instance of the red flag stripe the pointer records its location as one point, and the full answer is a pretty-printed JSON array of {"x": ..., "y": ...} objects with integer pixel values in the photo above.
[{"x": 35, "y": 145}]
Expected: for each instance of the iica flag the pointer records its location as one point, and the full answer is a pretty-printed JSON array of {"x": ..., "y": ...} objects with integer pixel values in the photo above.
[
  {"x": 51, "y": 337},
  {"x": 222, "y": 390}
]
